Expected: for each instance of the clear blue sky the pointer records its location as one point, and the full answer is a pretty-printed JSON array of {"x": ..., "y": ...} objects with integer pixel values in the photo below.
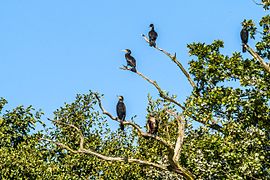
[{"x": 52, "y": 50}]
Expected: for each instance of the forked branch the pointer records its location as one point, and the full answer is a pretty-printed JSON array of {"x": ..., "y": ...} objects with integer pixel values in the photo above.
[
  {"x": 173, "y": 152},
  {"x": 135, "y": 126},
  {"x": 106, "y": 158}
]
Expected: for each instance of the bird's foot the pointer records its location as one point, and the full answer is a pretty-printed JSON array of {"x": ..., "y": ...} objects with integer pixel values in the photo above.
[{"x": 133, "y": 69}]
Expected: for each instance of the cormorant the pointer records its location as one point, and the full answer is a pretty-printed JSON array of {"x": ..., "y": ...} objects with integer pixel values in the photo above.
[
  {"x": 244, "y": 38},
  {"x": 130, "y": 60},
  {"x": 152, "y": 125},
  {"x": 152, "y": 36},
  {"x": 121, "y": 111}
]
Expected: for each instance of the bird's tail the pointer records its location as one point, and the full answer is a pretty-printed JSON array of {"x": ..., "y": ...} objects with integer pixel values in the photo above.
[
  {"x": 152, "y": 43},
  {"x": 244, "y": 48},
  {"x": 122, "y": 127},
  {"x": 133, "y": 69},
  {"x": 155, "y": 131}
]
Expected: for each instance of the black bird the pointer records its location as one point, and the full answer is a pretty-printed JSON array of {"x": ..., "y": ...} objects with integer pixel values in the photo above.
[
  {"x": 152, "y": 125},
  {"x": 121, "y": 111},
  {"x": 130, "y": 60},
  {"x": 244, "y": 38},
  {"x": 152, "y": 36}
]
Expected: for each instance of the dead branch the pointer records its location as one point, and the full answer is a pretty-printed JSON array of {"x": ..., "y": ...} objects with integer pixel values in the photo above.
[
  {"x": 259, "y": 58},
  {"x": 173, "y": 58},
  {"x": 106, "y": 158},
  {"x": 174, "y": 160},
  {"x": 161, "y": 93},
  {"x": 180, "y": 136}
]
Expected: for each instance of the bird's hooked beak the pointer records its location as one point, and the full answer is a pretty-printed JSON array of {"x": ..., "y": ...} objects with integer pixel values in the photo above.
[
  {"x": 120, "y": 98},
  {"x": 124, "y": 50}
]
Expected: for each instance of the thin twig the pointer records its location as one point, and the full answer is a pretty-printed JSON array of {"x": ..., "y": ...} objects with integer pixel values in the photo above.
[
  {"x": 173, "y": 58},
  {"x": 260, "y": 4}
]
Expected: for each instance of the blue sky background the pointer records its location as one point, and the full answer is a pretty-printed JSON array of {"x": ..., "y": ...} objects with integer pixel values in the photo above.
[{"x": 52, "y": 50}]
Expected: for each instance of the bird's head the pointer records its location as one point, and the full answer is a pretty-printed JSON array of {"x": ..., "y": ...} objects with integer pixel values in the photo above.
[
  {"x": 127, "y": 51},
  {"x": 121, "y": 98},
  {"x": 244, "y": 24},
  {"x": 151, "y": 25}
]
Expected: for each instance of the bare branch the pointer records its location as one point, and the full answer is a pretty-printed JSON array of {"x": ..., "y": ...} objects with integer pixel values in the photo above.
[
  {"x": 104, "y": 111},
  {"x": 161, "y": 93},
  {"x": 259, "y": 58},
  {"x": 179, "y": 170},
  {"x": 61, "y": 145},
  {"x": 119, "y": 159},
  {"x": 106, "y": 158},
  {"x": 173, "y": 58},
  {"x": 180, "y": 137},
  {"x": 135, "y": 126}
]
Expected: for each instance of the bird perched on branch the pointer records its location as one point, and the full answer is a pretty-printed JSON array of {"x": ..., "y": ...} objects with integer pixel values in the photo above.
[
  {"x": 121, "y": 111},
  {"x": 130, "y": 60},
  {"x": 152, "y": 125},
  {"x": 152, "y": 36},
  {"x": 244, "y": 38}
]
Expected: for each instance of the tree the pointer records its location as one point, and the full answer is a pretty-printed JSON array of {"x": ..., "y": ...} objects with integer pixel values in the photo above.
[
  {"x": 20, "y": 152},
  {"x": 231, "y": 142}
]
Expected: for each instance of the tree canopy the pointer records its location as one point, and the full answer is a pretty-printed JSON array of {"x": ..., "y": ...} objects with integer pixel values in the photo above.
[{"x": 221, "y": 131}]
